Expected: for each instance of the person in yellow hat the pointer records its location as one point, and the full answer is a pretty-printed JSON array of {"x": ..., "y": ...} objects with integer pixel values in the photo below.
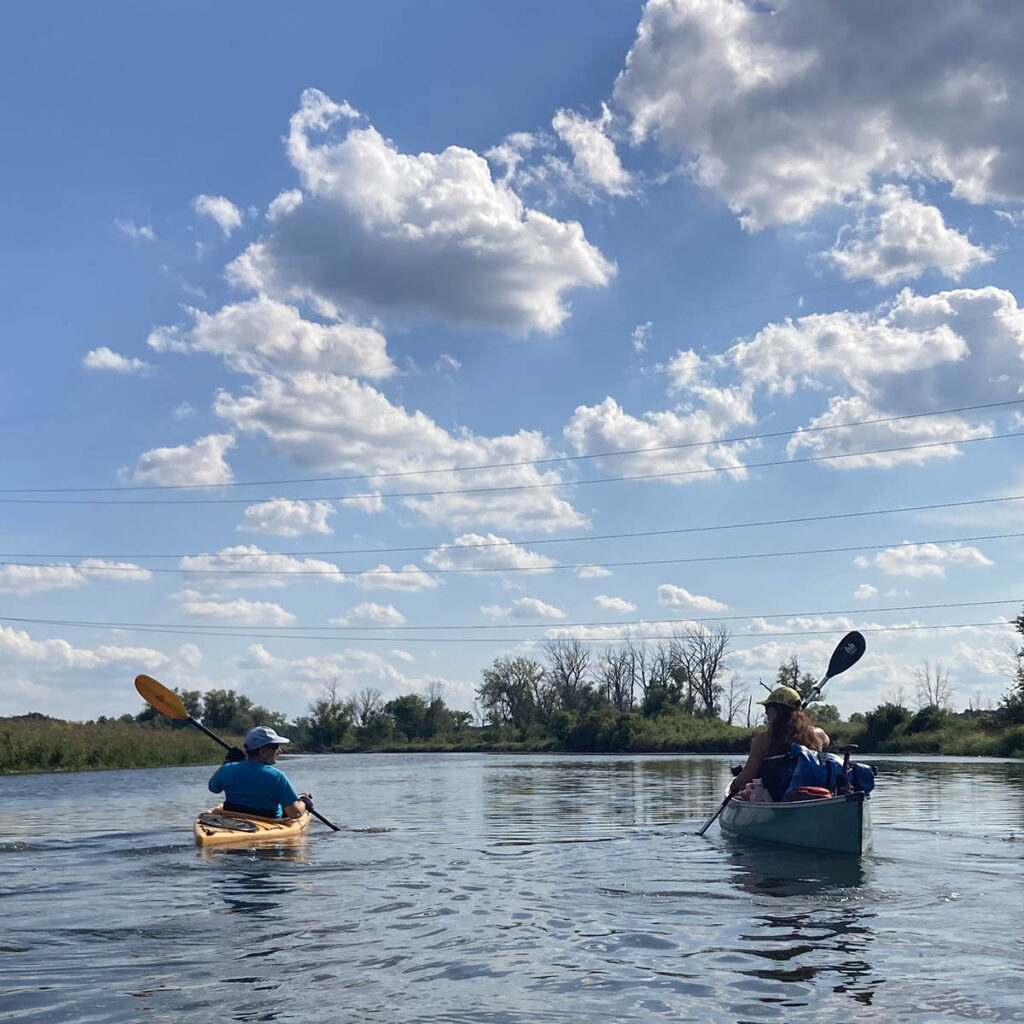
[{"x": 786, "y": 724}]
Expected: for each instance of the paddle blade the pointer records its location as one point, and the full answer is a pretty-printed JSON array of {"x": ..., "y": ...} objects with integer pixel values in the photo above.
[
  {"x": 158, "y": 696},
  {"x": 848, "y": 653}
]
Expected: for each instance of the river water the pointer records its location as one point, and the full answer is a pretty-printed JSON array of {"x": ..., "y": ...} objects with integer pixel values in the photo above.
[{"x": 509, "y": 890}]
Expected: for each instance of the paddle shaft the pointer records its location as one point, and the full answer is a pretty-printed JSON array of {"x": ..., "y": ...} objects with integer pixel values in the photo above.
[{"x": 707, "y": 824}]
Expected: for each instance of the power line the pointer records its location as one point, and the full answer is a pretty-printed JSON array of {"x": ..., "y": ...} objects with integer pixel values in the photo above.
[
  {"x": 534, "y": 542},
  {"x": 136, "y": 570},
  {"x": 521, "y": 487},
  {"x": 283, "y": 632},
  {"x": 682, "y": 445},
  {"x": 528, "y": 640}
]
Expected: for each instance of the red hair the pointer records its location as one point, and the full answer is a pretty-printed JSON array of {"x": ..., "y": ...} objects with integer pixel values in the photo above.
[{"x": 791, "y": 725}]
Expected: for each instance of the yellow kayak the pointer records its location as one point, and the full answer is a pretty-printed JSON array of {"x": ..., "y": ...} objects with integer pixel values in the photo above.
[{"x": 218, "y": 827}]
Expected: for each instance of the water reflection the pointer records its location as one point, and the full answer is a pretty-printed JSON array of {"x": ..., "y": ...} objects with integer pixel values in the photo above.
[
  {"x": 513, "y": 890},
  {"x": 765, "y": 869},
  {"x": 295, "y": 850}
]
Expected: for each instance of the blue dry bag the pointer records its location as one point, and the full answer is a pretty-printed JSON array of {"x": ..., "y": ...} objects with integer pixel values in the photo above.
[{"x": 813, "y": 769}]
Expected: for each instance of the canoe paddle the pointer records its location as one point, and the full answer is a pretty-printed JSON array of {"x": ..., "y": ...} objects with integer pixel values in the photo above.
[
  {"x": 848, "y": 652},
  {"x": 169, "y": 703}
]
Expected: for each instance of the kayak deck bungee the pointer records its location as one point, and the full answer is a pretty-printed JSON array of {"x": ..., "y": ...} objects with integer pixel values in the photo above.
[{"x": 217, "y": 827}]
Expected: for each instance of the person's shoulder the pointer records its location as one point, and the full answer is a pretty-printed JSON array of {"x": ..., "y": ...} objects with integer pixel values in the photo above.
[{"x": 760, "y": 743}]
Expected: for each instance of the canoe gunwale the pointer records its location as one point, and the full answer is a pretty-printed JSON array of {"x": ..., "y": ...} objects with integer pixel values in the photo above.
[{"x": 840, "y": 824}]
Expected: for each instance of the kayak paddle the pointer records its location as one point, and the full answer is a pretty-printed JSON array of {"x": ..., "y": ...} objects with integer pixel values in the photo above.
[
  {"x": 169, "y": 703},
  {"x": 848, "y": 652}
]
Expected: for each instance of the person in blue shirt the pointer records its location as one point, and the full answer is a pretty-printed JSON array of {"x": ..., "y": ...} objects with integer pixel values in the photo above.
[{"x": 252, "y": 785}]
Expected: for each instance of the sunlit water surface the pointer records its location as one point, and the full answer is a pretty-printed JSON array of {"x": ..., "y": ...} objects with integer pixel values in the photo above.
[{"x": 509, "y": 889}]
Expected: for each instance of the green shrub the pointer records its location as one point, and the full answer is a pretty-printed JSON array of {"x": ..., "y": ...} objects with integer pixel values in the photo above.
[{"x": 928, "y": 719}]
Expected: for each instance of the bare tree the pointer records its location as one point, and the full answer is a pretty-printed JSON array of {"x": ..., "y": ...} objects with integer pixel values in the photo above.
[
  {"x": 614, "y": 678},
  {"x": 897, "y": 696},
  {"x": 977, "y": 703},
  {"x": 702, "y": 652},
  {"x": 933, "y": 688},
  {"x": 734, "y": 697},
  {"x": 479, "y": 719},
  {"x": 568, "y": 666},
  {"x": 636, "y": 659},
  {"x": 367, "y": 704},
  {"x": 435, "y": 691}
]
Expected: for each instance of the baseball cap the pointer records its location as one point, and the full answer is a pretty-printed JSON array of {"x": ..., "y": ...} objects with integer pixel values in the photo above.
[
  {"x": 262, "y": 736},
  {"x": 784, "y": 695}
]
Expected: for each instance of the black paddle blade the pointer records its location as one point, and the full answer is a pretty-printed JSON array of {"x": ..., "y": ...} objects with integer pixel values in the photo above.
[{"x": 848, "y": 653}]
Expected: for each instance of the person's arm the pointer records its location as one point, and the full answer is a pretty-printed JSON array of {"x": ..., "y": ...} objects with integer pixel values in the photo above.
[
  {"x": 294, "y": 810},
  {"x": 217, "y": 780},
  {"x": 292, "y": 805},
  {"x": 752, "y": 768},
  {"x": 822, "y": 737}
]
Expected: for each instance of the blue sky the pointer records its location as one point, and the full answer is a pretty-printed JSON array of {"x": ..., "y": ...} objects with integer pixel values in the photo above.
[{"x": 275, "y": 282}]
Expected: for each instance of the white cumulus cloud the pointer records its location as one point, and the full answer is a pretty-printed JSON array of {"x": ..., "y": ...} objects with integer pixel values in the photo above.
[
  {"x": 900, "y": 237},
  {"x": 592, "y": 572},
  {"x": 287, "y": 517},
  {"x": 614, "y": 604},
  {"x": 782, "y": 108},
  {"x": 33, "y": 579},
  {"x": 473, "y": 551},
  {"x": 247, "y": 565},
  {"x": 202, "y": 462},
  {"x": 337, "y": 424},
  {"x": 470, "y": 252},
  {"x": 924, "y": 560},
  {"x": 523, "y": 608},
  {"x": 409, "y": 579},
  {"x": 239, "y": 611},
  {"x": 220, "y": 209},
  {"x": 593, "y": 152},
  {"x": 263, "y": 335},
  {"x": 679, "y": 442},
  {"x": 104, "y": 358},
  {"x": 369, "y": 613},
  {"x": 680, "y": 599}
]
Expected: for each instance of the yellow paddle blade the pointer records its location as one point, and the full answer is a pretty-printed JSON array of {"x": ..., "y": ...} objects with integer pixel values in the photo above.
[{"x": 161, "y": 698}]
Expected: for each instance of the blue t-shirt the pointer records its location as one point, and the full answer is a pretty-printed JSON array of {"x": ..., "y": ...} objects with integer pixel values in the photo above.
[{"x": 254, "y": 785}]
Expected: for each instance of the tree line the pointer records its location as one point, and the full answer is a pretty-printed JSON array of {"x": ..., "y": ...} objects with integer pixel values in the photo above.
[{"x": 676, "y": 694}]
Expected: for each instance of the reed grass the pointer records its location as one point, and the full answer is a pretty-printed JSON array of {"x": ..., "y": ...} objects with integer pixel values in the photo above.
[{"x": 32, "y": 744}]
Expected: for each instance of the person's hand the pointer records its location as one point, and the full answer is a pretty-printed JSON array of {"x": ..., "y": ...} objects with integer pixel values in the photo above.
[
  {"x": 234, "y": 754},
  {"x": 734, "y": 787},
  {"x": 307, "y": 800}
]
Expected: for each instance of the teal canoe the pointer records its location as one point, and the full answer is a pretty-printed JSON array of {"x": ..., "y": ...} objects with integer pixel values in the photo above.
[{"x": 841, "y": 824}]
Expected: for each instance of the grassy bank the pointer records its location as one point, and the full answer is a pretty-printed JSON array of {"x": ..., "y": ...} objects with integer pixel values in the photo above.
[
  {"x": 47, "y": 745},
  {"x": 35, "y": 744}
]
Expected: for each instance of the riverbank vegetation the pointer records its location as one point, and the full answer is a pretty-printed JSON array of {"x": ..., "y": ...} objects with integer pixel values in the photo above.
[
  {"x": 667, "y": 698},
  {"x": 37, "y": 743}
]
